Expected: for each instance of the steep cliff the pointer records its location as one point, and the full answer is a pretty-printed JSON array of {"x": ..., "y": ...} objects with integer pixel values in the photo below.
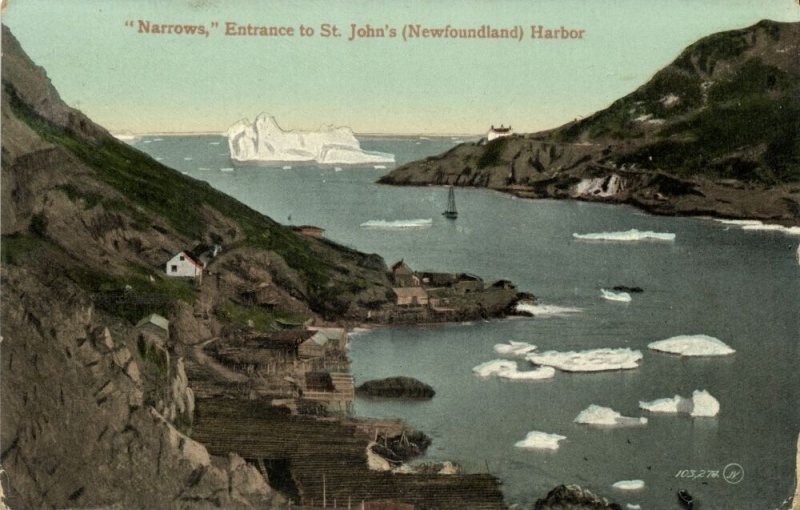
[
  {"x": 715, "y": 132},
  {"x": 95, "y": 411}
]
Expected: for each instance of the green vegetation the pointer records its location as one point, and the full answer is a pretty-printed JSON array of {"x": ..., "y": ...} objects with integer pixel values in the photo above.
[
  {"x": 753, "y": 78},
  {"x": 492, "y": 152},
  {"x": 18, "y": 249},
  {"x": 180, "y": 200},
  {"x": 256, "y": 316},
  {"x": 74, "y": 194}
]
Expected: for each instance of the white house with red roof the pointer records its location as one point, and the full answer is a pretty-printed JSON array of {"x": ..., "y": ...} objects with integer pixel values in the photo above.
[{"x": 184, "y": 265}]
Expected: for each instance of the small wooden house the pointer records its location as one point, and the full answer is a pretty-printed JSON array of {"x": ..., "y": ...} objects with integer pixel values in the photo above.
[
  {"x": 184, "y": 265},
  {"x": 403, "y": 276},
  {"x": 411, "y": 296},
  {"x": 498, "y": 132},
  {"x": 154, "y": 324}
]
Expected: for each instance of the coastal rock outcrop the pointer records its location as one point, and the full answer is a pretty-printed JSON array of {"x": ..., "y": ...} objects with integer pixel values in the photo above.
[{"x": 396, "y": 387}]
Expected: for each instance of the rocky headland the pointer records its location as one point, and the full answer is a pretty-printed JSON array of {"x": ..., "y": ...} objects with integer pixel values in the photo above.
[{"x": 714, "y": 133}]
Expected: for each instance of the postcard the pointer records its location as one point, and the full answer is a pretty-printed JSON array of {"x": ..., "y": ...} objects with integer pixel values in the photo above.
[{"x": 373, "y": 254}]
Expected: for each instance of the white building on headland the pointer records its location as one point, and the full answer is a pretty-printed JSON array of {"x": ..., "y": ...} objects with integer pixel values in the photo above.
[{"x": 498, "y": 132}]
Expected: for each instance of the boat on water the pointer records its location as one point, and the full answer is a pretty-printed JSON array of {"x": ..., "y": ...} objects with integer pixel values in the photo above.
[
  {"x": 451, "y": 213},
  {"x": 686, "y": 499}
]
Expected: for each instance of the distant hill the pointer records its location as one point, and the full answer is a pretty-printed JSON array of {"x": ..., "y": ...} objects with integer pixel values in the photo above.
[{"x": 715, "y": 132}]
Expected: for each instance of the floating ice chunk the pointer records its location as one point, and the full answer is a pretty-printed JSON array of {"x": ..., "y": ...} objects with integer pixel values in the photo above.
[
  {"x": 337, "y": 169},
  {"x": 632, "y": 506},
  {"x": 203, "y": 168},
  {"x": 622, "y": 297},
  {"x": 263, "y": 141},
  {"x": 227, "y": 169},
  {"x": 605, "y": 416},
  {"x": 702, "y": 404},
  {"x": 537, "y": 374},
  {"x": 545, "y": 310},
  {"x": 536, "y": 440},
  {"x": 795, "y": 231},
  {"x": 287, "y": 167},
  {"x": 158, "y": 139},
  {"x": 159, "y": 158},
  {"x": 513, "y": 348},
  {"x": 379, "y": 167},
  {"x": 508, "y": 370},
  {"x": 398, "y": 224},
  {"x": 692, "y": 345},
  {"x": 147, "y": 141},
  {"x": 627, "y": 236},
  {"x": 629, "y": 485},
  {"x": 187, "y": 158},
  {"x": 738, "y": 222},
  {"x": 493, "y": 367},
  {"x": 594, "y": 360},
  {"x": 760, "y": 225},
  {"x": 672, "y": 405}
]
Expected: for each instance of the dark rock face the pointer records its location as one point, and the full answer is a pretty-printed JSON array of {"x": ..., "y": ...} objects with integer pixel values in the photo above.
[
  {"x": 396, "y": 387},
  {"x": 714, "y": 133},
  {"x": 572, "y": 497}
]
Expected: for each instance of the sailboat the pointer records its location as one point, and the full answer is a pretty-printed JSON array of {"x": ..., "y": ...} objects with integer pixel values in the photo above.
[{"x": 451, "y": 213}]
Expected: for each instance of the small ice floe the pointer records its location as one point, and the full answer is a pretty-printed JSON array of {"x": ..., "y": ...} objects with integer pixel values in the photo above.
[
  {"x": 159, "y": 158},
  {"x": 213, "y": 143},
  {"x": 794, "y": 231},
  {"x": 185, "y": 173},
  {"x": 398, "y": 224},
  {"x": 187, "y": 158},
  {"x": 545, "y": 310},
  {"x": 626, "y": 236},
  {"x": 536, "y": 440},
  {"x": 506, "y": 369},
  {"x": 337, "y": 169},
  {"x": 593, "y": 360},
  {"x": 286, "y": 167},
  {"x": 633, "y": 506},
  {"x": 513, "y": 348},
  {"x": 607, "y": 417},
  {"x": 203, "y": 168},
  {"x": 227, "y": 169},
  {"x": 702, "y": 404},
  {"x": 621, "y": 297},
  {"x": 379, "y": 167},
  {"x": 692, "y": 345},
  {"x": 148, "y": 141},
  {"x": 158, "y": 139},
  {"x": 629, "y": 485},
  {"x": 760, "y": 225}
]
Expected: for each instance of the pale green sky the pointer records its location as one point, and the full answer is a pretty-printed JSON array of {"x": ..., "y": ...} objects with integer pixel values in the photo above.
[{"x": 145, "y": 83}]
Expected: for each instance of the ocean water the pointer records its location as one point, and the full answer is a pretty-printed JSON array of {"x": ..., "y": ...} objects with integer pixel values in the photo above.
[{"x": 742, "y": 287}]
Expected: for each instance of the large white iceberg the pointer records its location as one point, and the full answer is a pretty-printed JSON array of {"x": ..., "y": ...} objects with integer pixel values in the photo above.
[
  {"x": 593, "y": 360},
  {"x": 545, "y": 310},
  {"x": 515, "y": 349},
  {"x": 536, "y": 440},
  {"x": 621, "y": 297},
  {"x": 629, "y": 485},
  {"x": 506, "y": 369},
  {"x": 702, "y": 404},
  {"x": 263, "y": 141},
  {"x": 626, "y": 236},
  {"x": 605, "y": 416},
  {"x": 692, "y": 345}
]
